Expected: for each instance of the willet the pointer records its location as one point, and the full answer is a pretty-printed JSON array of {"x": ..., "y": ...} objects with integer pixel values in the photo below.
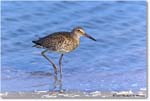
[{"x": 61, "y": 42}]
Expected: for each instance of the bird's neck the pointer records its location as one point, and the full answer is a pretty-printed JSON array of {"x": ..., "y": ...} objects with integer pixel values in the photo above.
[
  {"x": 76, "y": 39},
  {"x": 75, "y": 36}
]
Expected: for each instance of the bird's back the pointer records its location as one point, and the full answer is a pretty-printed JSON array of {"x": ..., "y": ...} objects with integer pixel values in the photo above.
[{"x": 60, "y": 42}]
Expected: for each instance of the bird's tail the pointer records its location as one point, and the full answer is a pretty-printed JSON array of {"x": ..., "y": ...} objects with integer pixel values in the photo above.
[{"x": 36, "y": 44}]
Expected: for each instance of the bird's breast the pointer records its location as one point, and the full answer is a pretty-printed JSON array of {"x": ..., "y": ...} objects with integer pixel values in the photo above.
[{"x": 68, "y": 45}]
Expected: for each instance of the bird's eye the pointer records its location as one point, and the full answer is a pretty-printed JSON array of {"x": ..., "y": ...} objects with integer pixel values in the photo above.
[{"x": 78, "y": 30}]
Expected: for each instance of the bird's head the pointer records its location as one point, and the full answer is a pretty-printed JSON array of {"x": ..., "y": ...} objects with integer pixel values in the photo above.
[{"x": 79, "y": 31}]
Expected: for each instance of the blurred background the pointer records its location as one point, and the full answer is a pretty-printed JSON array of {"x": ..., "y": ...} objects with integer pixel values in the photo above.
[{"x": 115, "y": 62}]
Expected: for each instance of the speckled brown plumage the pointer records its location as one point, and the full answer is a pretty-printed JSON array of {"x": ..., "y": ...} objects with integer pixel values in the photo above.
[{"x": 62, "y": 42}]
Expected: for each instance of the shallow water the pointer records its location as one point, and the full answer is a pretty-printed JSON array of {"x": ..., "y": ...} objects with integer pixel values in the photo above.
[{"x": 115, "y": 62}]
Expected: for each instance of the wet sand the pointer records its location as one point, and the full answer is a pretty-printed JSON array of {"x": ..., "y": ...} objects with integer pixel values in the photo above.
[{"x": 72, "y": 94}]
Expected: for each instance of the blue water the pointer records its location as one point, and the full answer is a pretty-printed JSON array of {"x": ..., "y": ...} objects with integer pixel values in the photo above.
[{"x": 115, "y": 62}]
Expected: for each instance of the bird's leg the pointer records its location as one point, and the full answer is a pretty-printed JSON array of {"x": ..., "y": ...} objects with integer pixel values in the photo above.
[
  {"x": 54, "y": 86},
  {"x": 55, "y": 83},
  {"x": 60, "y": 65},
  {"x": 54, "y": 66},
  {"x": 60, "y": 86}
]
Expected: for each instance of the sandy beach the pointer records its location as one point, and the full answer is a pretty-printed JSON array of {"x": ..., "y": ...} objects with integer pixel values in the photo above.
[{"x": 72, "y": 94}]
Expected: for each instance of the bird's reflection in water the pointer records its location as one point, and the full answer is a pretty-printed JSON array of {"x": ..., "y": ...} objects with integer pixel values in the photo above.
[{"x": 57, "y": 83}]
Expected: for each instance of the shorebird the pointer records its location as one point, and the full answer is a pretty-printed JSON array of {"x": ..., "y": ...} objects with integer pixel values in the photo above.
[{"x": 61, "y": 42}]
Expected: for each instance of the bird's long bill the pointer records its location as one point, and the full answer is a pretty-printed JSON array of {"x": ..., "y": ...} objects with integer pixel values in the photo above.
[{"x": 88, "y": 36}]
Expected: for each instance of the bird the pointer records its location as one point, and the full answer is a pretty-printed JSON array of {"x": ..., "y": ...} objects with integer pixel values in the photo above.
[{"x": 61, "y": 42}]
